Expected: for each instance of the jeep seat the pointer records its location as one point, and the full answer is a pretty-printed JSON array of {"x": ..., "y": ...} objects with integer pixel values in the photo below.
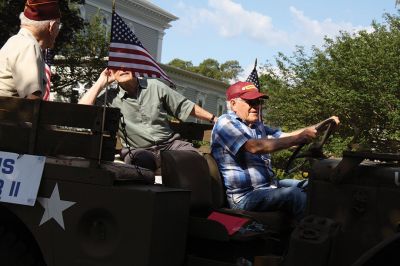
[{"x": 192, "y": 171}]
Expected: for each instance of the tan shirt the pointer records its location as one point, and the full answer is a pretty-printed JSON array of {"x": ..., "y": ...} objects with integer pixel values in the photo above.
[{"x": 21, "y": 66}]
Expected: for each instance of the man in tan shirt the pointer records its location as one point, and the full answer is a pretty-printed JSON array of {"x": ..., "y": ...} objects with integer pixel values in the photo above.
[{"x": 22, "y": 67}]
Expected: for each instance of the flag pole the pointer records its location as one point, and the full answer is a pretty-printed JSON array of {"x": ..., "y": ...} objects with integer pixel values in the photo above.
[
  {"x": 105, "y": 103},
  {"x": 260, "y": 118}
]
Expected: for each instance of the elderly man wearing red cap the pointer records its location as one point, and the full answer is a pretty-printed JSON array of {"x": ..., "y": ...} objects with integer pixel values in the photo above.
[
  {"x": 22, "y": 67},
  {"x": 241, "y": 145}
]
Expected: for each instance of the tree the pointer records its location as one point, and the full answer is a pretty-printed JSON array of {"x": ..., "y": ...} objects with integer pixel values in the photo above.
[
  {"x": 355, "y": 76},
  {"x": 82, "y": 61},
  {"x": 231, "y": 69},
  {"x": 179, "y": 63},
  {"x": 211, "y": 68}
]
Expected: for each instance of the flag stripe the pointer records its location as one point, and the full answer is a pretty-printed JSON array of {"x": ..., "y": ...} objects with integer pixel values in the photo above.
[
  {"x": 130, "y": 49},
  {"x": 48, "y": 59},
  {"x": 123, "y": 58},
  {"x": 137, "y": 66},
  {"x": 46, "y": 95},
  {"x": 139, "y": 72},
  {"x": 133, "y": 54},
  {"x": 126, "y": 54}
]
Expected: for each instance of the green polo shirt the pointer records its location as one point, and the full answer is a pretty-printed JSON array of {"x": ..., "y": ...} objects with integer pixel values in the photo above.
[{"x": 146, "y": 117}]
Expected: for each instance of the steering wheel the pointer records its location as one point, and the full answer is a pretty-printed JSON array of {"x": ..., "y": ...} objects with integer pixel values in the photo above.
[{"x": 324, "y": 130}]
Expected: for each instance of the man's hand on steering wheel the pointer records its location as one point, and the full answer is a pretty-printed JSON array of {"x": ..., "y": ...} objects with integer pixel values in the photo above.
[
  {"x": 330, "y": 120},
  {"x": 307, "y": 134},
  {"x": 324, "y": 128}
]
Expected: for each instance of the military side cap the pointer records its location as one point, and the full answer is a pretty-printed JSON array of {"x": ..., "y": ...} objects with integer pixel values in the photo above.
[{"x": 42, "y": 10}]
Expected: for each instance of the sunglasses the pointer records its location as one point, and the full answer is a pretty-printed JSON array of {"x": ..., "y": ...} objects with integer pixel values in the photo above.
[{"x": 255, "y": 102}]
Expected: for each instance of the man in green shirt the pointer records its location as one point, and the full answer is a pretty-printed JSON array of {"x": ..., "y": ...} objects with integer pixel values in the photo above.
[{"x": 145, "y": 105}]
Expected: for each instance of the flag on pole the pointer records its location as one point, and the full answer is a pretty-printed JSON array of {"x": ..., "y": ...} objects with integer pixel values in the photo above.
[
  {"x": 127, "y": 52},
  {"x": 48, "y": 59},
  {"x": 253, "y": 77}
]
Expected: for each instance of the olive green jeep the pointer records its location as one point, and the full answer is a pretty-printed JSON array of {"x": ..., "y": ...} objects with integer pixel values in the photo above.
[{"x": 64, "y": 201}]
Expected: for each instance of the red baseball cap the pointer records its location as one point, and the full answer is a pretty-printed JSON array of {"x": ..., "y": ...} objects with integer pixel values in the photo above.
[
  {"x": 42, "y": 10},
  {"x": 244, "y": 90}
]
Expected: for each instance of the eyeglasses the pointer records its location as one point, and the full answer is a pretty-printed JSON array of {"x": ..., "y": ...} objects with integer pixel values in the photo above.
[
  {"x": 255, "y": 102},
  {"x": 57, "y": 24}
]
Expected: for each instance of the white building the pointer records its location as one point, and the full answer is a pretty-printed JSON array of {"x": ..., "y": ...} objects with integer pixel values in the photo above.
[{"x": 149, "y": 23}]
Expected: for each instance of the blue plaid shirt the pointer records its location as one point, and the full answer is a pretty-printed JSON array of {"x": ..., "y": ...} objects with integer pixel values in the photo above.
[{"x": 242, "y": 171}]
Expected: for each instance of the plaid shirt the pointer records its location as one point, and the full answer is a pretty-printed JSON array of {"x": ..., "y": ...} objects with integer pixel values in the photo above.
[{"x": 242, "y": 171}]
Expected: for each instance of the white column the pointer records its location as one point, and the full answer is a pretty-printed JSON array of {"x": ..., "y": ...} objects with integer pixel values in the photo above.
[{"x": 159, "y": 45}]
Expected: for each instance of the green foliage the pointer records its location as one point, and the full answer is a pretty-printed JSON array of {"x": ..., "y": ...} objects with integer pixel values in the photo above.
[
  {"x": 82, "y": 61},
  {"x": 354, "y": 76},
  {"x": 211, "y": 68},
  {"x": 231, "y": 69},
  {"x": 179, "y": 63}
]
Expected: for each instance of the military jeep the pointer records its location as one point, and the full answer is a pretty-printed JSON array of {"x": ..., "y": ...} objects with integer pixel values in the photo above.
[{"x": 90, "y": 210}]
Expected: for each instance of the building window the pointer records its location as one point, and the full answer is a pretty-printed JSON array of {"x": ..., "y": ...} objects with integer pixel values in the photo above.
[
  {"x": 82, "y": 11},
  {"x": 220, "y": 107},
  {"x": 180, "y": 90},
  {"x": 131, "y": 26},
  {"x": 201, "y": 101},
  {"x": 105, "y": 19}
]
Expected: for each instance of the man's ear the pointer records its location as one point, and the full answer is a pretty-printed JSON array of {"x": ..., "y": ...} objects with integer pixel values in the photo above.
[{"x": 52, "y": 24}]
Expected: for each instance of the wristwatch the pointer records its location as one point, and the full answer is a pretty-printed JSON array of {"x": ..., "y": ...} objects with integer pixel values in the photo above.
[{"x": 212, "y": 119}]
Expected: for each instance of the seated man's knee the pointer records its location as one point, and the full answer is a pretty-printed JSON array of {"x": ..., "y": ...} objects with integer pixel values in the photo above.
[{"x": 141, "y": 158}]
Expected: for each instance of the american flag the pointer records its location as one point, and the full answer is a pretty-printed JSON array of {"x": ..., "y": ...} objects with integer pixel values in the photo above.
[
  {"x": 127, "y": 52},
  {"x": 48, "y": 59},
  {"x": 253, "y": 77}
]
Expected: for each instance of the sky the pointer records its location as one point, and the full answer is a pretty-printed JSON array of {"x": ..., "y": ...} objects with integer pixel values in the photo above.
[{"x": 247, "y": 29}]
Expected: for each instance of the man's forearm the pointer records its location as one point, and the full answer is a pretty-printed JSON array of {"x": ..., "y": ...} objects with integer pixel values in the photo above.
[
  {"x": 90, "y": 96},
  {"x": 202, "y": 114},
  {"x": 266, "y": 145},
  {"x": 271, "y": 145}
]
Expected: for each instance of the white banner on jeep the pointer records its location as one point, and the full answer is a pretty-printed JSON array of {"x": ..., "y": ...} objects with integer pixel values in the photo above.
[{"x": 20, "y": 176}]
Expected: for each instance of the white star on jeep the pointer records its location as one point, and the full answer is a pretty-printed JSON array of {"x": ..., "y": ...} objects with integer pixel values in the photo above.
[{"x": 53, "y": 207}]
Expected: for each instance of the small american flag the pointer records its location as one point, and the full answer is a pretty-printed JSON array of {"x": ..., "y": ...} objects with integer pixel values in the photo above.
[
  {"x": 253, "y": 77},
  {"x": 48, "y": 59},
  {"x": 127, "y": 52}
]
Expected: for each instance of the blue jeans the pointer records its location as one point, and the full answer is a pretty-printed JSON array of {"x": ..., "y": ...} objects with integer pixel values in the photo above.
[{"x": 288, "y": 196}]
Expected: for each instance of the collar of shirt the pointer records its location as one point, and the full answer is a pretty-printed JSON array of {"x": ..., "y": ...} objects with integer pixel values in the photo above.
[
  {"x": 234, "y": 115},
  {"x": 27, "y": 33},
  {"x": 142, "y": 84}
]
